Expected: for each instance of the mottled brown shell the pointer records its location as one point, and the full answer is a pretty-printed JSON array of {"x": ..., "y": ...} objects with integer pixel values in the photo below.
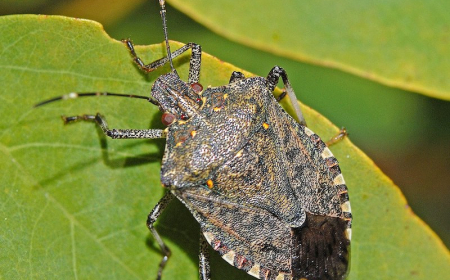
[{"x": 267, "y": 192}]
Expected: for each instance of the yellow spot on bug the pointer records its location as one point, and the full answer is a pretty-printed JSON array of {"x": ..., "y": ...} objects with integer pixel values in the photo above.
[
  {"x": 193, "y": 133},
  {"x": 216, "y": 109},
  {"x": 265, "y": 125},
  {"x": 178, "y": 144},
  {"x": 210, "y": 184},
  {"x": 239, "y": 154},
  {"x": 225, "y": 95}
]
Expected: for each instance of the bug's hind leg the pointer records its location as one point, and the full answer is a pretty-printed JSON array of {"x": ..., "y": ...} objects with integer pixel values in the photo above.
[
  {"x": 338, "y": 137},
  {"x": 204, "y": 268},
  {"x": 272, "y": 81},
  {"x": 152, "y": 217},
  {"x": 117, "y": 133}
]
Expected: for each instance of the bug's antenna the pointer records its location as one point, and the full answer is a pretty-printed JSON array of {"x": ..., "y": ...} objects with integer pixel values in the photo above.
[
  {"x": 74, "y": 95},
  {"x": 166, "y": 38}
]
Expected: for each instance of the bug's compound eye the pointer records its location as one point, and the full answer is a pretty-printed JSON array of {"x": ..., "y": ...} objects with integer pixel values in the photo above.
[
  {"x": 197, "y": 87},
  {"x": 167, "y": 118},
  {"x": 184, "y": 117}
]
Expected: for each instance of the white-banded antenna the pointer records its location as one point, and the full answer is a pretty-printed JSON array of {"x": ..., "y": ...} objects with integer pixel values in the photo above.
[{"x": 166, "y": 38}]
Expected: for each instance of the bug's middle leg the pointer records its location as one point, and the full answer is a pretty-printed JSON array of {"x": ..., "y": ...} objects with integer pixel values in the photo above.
[{"x": 272, "y": 81}]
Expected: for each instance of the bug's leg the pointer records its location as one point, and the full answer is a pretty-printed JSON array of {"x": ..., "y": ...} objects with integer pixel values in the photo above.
[
  {"x": 203, "y": 267},
  {"x": 117, "y": 133},
  {"x": 338, "y": 137},
  {"x": 281, "y": 96},
  {"x": 272, "y": 81},
  {"x": 194, "y": 63},
  {"x": 152, "y": 217},
  {"x": 236, "y": 76}
]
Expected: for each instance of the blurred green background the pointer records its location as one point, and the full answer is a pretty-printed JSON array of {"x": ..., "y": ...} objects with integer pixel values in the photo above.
[{"x": 406, "y": 134}]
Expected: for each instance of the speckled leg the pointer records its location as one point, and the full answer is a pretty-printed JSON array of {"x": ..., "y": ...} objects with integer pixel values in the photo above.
[
  {"x": 338, "y": 137},
  {"x": 272, "y": 81},
  {"x": 117, "y": 133},
  {"x": 204, "y": 268},
  {"x": 152, "y": 217},
  {"x": 194, "y": 64}
]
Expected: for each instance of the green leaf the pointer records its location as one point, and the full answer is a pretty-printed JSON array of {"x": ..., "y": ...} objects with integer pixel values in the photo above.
[
  {"x": 106, "y": 12},
  {"x": 399, "y": 43},
  {"x": 74, "y": 204}
]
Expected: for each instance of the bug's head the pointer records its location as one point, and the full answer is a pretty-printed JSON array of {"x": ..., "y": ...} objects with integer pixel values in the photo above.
[{"x": 177, "y": 99}]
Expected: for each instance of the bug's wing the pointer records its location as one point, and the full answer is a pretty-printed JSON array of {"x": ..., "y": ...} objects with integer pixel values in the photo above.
[
  {"x": 257, "y": 177},
  {"x": 284, "y": 174},
  {"x": 259, "y": 243},
  {"x": 248, "y": 238},
  {"x": 285, "y": 169},
  {"x": 315, "y": 177}
]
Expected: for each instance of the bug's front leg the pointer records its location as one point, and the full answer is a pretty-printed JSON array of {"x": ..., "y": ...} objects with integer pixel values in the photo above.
[
  {"x": 194, "y": 63},
  {"x": 152, "y": 217},
  {"x": 117, "y": 133}
]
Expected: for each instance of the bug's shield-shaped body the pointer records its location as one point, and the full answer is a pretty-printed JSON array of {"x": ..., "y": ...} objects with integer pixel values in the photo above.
[{"x": 267, "y": 192}]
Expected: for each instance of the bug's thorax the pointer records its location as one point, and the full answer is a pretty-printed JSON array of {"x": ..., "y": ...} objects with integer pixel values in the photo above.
[
  {"x": 222, "y": 124},
  {"x": 176, "y": 96}
]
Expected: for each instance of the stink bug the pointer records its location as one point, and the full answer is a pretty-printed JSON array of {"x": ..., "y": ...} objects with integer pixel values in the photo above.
[{"x": 266, "y": 190}]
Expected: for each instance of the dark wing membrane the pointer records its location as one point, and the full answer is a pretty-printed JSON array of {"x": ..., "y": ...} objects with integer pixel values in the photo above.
[
  {"x": 251, "y": 239},
  {"x": 320, "y": 249}
]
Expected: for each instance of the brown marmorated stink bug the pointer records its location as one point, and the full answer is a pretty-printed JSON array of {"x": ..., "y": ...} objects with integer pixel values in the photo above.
[{"x": 267, "y": 192}]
